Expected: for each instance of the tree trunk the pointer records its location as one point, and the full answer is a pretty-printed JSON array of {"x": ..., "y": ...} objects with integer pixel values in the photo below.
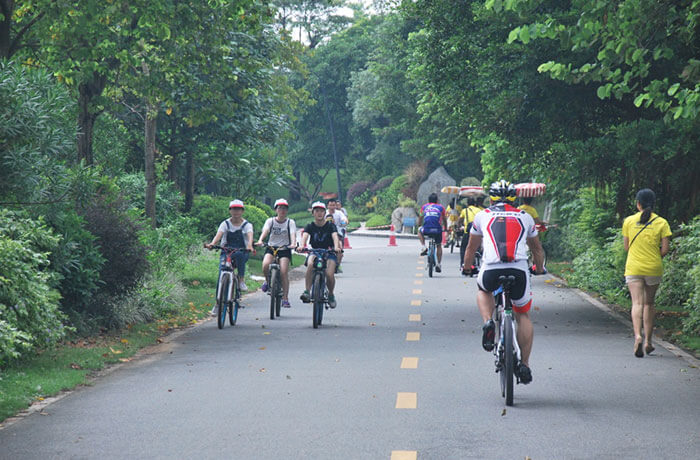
[
  {"x": 294, "y": 190},
  {"x": 189, "y": 180},
  {"x": 150, "y": 161},
  {"x": 87, "y": 92}
]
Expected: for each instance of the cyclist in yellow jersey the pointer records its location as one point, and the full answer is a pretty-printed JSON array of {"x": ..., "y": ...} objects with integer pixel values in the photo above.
[
  {"x": 452, "y": 213},
  {"x": 467, "y": 217},
  {"x": 528, "y": 208},
  {"x": 646, "y": 237}
]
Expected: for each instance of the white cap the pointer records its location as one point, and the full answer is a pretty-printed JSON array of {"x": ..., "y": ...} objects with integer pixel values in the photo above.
[
  {"x": 236, "y": 204},
  {"x": 318, "y": 204},
  {"x": 281, "y": 202}
]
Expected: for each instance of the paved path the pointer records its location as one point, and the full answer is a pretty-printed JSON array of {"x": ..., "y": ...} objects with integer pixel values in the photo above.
[{"x": 395, "y": 372}]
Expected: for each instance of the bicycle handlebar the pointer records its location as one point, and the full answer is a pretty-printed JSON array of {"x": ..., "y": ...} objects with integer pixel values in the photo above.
[{"x": 230, "y": 250}]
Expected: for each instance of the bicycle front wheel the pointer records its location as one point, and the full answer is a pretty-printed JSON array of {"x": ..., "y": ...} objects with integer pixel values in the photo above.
[
  {"x": 509, "y": 358},
  {"x": 317, "y": 296},
  {"x": 273, "y": 291},
  {"x": 222, "y": 302},
  {"x": 278, "y": 295}
]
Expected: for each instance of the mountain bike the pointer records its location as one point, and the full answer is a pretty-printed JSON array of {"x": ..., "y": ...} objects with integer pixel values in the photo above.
[
  {"x": 319, "y": 291},
  {"x": 228, "y": 292},
  {"x": 275, "y": 285}
]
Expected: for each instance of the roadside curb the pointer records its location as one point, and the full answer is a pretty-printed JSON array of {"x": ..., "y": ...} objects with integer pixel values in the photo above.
[
  {"x": 679, "y": 353},
  {"x": 384, "y": 234}
]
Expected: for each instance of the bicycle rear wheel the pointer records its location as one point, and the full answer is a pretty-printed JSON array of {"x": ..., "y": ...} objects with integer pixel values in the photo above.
[
  {"x": 509, "y": 357},
  {"x": 431, "y": 259},
  {"x": 222, "y": 302},
  {"x": 273, "y": 291},
  {"x": 317, "y": 296}
]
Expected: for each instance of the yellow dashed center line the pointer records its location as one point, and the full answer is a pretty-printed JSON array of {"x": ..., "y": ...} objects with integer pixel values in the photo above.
[
  {"x": 419, "y": 275},
  {"x": 418, "y": 282},
  {"x": 412, "y": 336},
  {"x": 404, "y": 455},
  {"x": 415, "y": 303},
  {"x": 409, "y": 362},
  {"x": 417, "y": 291},
  {"x": 414, "y": 317},
  {"x": 406, "y": 400}
]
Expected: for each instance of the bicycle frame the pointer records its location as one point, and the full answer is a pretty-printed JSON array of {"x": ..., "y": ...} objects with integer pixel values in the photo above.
[{"x": 503, "y": 316}]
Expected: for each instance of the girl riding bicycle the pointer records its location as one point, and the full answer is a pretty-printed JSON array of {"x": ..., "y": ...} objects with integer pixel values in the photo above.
[{"x": 282, "y": 231}]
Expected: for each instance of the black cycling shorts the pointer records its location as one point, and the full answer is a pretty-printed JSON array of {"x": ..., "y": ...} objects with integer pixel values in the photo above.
[{"x": 281, "y": 253}]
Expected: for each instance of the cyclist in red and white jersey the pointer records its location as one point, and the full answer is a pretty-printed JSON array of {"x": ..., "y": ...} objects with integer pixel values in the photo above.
[{"x": 506, "y": 233}]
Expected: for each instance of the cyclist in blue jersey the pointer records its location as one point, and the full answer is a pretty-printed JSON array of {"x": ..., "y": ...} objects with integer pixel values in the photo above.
[{"x": 431, "y": 222}]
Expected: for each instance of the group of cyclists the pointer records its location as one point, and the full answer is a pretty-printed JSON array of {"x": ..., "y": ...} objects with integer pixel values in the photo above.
[
  {"x": 504, "y": 233},
  {"x": 326, "y": 231}
]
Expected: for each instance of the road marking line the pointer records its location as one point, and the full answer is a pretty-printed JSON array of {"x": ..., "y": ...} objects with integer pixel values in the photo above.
[
  {"x": 409, "y": 363},
  {"x": 418, "y": 282},
  {"x": 415, "y": 303},
  {"x": 417, "y": 291},
  {"x": 419, "y": 275},
  {"x": 406, "y": 400},
  {"x": 412, "y": 336},
  {"x": 421, "y": 261},
  {"x": 404, "y": 455},
  {"x": 414, "y": 317},
  {"x": 420, "y": 268}
]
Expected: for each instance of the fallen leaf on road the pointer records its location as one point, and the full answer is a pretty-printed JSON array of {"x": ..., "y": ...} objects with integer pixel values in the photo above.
[
  {"x": 43, "y": 413},
  {"x": 124, "y": 360},
  {"x": 170, "y": 391},
  {"x": 503, "y": 413},
  {"x": 372, "y": 324},
  {"x": 263, "y": 370},
  {"x": 266, "y": 333},
  {"x": 159, "y": 340},
  {"x": 289, "y": 377},
  {"x": 124, "y": 341},
  {"x": 116, "y": 352},
  {"x": 75, "y": 366},
  {"x": 261, "y": 348},
  {"x": 195, "y": 283},
  {"x": 40, "y": 398}
]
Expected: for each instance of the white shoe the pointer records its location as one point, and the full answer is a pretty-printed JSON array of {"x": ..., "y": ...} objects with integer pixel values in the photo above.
[
  {"x": 242, "y": 286},
  {"x": 213, "y": 311}
]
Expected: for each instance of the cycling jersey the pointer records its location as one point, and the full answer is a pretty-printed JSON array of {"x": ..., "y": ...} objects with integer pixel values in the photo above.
[
  {"x": 433, "y": 214},
  {"x": 530, "y": 210},
  {"x": 505, "y": 230},
  {"x": 469, "y": 213},
  {"x": 280, "y": 232}
]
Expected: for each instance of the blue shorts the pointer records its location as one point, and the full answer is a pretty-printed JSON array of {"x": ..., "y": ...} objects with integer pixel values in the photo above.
[{"x": 433, "y": 232}]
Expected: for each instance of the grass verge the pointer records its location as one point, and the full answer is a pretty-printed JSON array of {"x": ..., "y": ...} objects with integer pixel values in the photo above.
[
  {"x": 668, "y": 323},
  {"x": 76, "y": 362}
]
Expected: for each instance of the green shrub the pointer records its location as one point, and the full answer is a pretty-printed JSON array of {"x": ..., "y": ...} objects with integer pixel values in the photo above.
[
  {"x": 29, "y": 312},
  {"x": 209, "y": 211},
  {"x": 299, "y": 206},
  {"x": 601, "y": 268},
  {"x": 375, "y": 220},
  {"x": 118, "y": 240},
  {"x": 169, "y": 246},
  {"x": 681, "y": 283},
  {"x": 262, "y": 206}
]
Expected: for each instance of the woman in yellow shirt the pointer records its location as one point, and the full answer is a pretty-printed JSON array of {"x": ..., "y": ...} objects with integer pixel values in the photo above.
[{"x": 646, "y": 237}]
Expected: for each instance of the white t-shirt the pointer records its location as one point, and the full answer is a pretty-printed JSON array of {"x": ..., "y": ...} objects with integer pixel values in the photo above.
[
  {"x": 280, "y": 232},
  {"x": 505, "y": 230},
  {"x": 339, "y": 219},
  {"x": 247, "y": 231}
]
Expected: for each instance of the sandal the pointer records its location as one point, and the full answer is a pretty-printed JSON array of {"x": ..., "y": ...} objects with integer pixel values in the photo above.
[
  {"x": 638, "y": 349},
  {"x": 649, "y": 348}
]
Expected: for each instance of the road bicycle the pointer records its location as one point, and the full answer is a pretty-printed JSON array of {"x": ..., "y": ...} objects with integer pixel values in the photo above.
[
  {"x": 228, "y": 292},
  {"x": 507, "y": 351},
  {"x": 432, "y": 256},
  {"x": 275, "y": 284},
  {"x": 452, "y": 239},
  {"x": 319, "y": 291}
]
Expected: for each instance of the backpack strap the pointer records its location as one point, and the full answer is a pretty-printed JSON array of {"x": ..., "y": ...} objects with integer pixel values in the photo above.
[{"x": 640, "y": 231}]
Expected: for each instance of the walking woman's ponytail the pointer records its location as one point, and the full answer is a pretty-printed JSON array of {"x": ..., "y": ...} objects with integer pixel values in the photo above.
[{"x": 646, "y": 198}]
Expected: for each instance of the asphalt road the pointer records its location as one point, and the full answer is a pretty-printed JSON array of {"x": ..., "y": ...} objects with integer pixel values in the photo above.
[{"x": 395, "y": 372}]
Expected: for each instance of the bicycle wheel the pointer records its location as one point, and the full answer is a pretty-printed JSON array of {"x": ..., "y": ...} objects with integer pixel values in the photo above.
[
  {"x": 222, "y": 302},
  {"x": 509, "y": 353},
  {"x": 278, "y": 296},
  {"x": 273, "y": 291},
  {"x": 431, "y": 259},
  {"x": 452, "y": 243},
  {"x": 233, "y": 312},
  {"x": 317, "y": 297}
]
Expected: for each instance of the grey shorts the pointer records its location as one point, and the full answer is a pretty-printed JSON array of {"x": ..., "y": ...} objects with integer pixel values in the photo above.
[{"x": 648, "y": 280}]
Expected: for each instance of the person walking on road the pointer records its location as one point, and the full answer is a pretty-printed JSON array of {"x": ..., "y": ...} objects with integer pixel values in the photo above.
[{"x": 646, "y": 237}]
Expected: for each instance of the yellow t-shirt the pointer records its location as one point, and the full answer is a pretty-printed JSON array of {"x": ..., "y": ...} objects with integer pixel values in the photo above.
[
  {"x": 644, "y": 256},
  {"x": 468, "y": 213},
  {"x": 530, "y": 210},
  {"x": 452, "y": 216}
]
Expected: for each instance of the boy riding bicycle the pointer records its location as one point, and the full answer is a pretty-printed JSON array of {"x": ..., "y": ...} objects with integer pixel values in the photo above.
[{"x": 321, "y": 234}]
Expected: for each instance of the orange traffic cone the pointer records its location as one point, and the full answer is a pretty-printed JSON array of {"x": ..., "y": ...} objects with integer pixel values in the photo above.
[
  {"x": 392, "y": 237},
  {"x": 346, "y": 243}
]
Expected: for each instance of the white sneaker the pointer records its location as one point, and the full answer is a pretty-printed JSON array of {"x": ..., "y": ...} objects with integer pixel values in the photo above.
[
  {"x": 242, "y": 286},
  {"x": 213, "y": 311}
]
